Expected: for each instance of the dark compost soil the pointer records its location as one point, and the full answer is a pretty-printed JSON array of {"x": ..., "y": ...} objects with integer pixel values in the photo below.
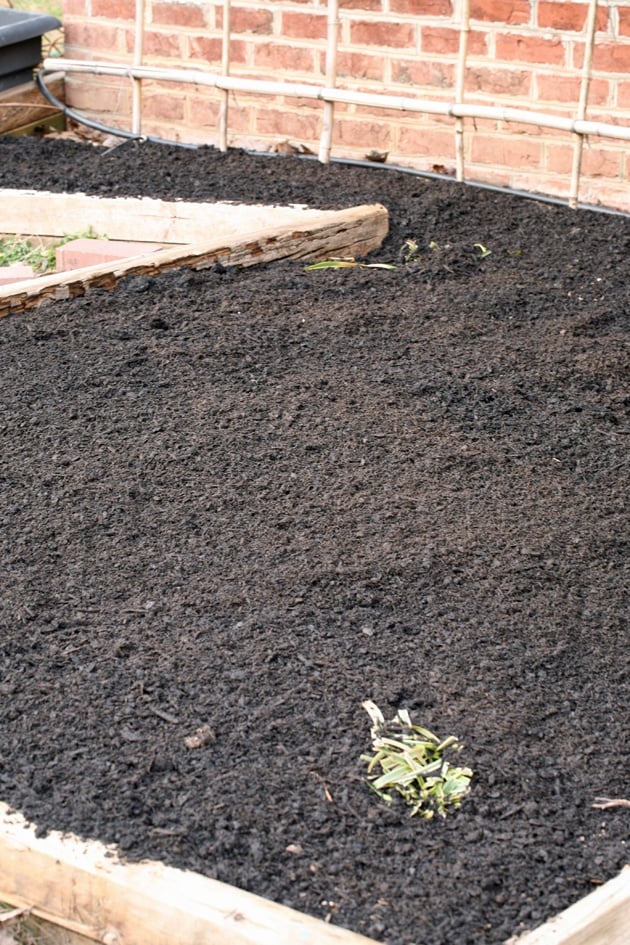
[{"x": 253, "y": 499}]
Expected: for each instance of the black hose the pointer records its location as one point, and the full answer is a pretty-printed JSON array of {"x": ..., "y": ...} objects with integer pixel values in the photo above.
[{"x": 352, "y": 162}]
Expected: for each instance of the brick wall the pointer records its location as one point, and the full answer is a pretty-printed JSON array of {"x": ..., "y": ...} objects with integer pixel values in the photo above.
[{"x": 521, "y": 53}]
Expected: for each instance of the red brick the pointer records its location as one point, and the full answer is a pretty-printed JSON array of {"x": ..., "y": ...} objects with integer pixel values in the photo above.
[
  {"x": 599, "y": 161},
  {"x": 363, "y": 134},
  {"x": 241, "y": 119},
  {"x": 304, "y": 25},
  {"x": 501, "y": 11},
  {"x": 286, "y": 123},
  {"x": 535, "y": 131},
  {"x": 559, "y": 88},
  {"x": 516, "y": 48},
  {"x": 568, "y": 16},
  {"x": 623, "y": 95},
  {"x": 611, "y": 57},
  {"x": 86, "y": 252},
  {"x": 559, "y": 158},
  {"x": 423, "y": 72},
  {"x": 78, "y": 7},
  {"x": 606, "y": 194},
  {"x": 624, "y": 21},
  {"x": 112, "y": 9},
  {"x": 368, "y": 33},
  {"x": 422, "y": 7},
  {"x": 245, "y": 20},
  {"x": 93, "y": 36},
  {"x": 97, "y": 95},
  {"x": 491, "y": 80},
  {"x": 177, "y": 14},
  {"x": 274, "y": 56},
  {"x": 424, "y": 142},
  {"x": 360, "y": 66},
  {"x": 165, "y": 45},
  {"x": 15, "y": 273},
  {"x": 206, "y": 48},
  {"x": 439, "y": 39},
  {"x": 521, "y": 152},
  {"x": 443, "y": 40},
  {"x": 202, "y": 111},
  {"x": 362, "y": 5},
  {"x": 164, "y": 105}
]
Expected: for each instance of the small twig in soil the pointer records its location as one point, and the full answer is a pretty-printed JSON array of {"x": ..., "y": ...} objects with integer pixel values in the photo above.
[
  {"x": 327, "y": 793},
  {"x": 603, "y": 803},
  {"x": 161, "y": 714}
]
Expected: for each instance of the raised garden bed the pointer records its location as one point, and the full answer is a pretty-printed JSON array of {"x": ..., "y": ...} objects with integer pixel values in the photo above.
[
  {"x": 198, "y": 235},
  {"x": 253, "y": 499}
]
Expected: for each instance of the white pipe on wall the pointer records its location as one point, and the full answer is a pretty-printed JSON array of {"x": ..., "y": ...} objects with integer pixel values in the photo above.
[{"x": 349, "y": 97}]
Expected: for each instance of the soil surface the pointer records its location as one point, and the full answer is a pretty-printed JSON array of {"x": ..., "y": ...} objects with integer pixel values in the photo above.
[{"x": 250, "y": 500}]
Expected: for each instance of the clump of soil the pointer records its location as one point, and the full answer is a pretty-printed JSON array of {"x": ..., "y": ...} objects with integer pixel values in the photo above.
[{"x": 244, "y": 502}]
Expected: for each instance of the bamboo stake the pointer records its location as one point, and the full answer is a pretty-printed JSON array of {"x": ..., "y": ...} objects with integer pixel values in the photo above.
[
  {"x": 459, "y": 86},
  {"x": 225, "y": 70},
  {"x": 138, "y": 48},
  {"x": 331, "y": 80},
  {"x": 349, "y": 97},
  {"x": 591, "y": 24}
]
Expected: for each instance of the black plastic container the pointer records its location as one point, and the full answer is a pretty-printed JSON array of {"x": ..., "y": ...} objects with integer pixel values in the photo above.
[{"x": 21, "y": 44}]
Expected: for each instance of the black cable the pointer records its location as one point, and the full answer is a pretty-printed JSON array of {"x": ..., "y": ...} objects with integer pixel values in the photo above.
[{"x": 352, "y": 162}]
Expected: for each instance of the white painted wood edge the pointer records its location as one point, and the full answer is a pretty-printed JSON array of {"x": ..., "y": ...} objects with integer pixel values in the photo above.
[
  {"x": 601, "y": 918},
  {"x": 354, "y": 231},
  {"x": 83, "y": 886},
  {"x": 43, "y": 213}
]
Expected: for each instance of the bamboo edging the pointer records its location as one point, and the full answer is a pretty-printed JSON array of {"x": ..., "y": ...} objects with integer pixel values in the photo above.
[
  {"x": 460, "y": 82},
  {"x": 138, "y": 50},
  {"x": 591, "y": 26},
  {"x": 328, "y": 122}
]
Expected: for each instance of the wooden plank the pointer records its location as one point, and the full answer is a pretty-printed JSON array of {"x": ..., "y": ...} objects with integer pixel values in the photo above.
[
  {"x": 24, "y": 105},
  {"x": 601, "y": 918},
  {"x": 352, "y": 232},
  {"x": 83, "y": 887},
  {"x": 39, "y": 213},
  {"x": 54, "y": 121}
]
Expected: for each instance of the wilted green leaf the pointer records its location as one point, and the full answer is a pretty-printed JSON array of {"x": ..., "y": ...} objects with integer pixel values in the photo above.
[{"x": 412, "y": 764}]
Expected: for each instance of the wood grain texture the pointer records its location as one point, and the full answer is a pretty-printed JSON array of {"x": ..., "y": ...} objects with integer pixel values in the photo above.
[
  {"x": 83, "y": 887},
  {"x": 36, "y": 213},
  {"x": 352, "y": 232},
  {"x": 24, "y": 104}
]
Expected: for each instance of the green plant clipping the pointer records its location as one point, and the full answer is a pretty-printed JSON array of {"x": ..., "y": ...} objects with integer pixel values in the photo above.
[
  {"x": 346, "y": 262},
  {"x": 409, "y": 760},
  {"x": 42, "y": 258}
]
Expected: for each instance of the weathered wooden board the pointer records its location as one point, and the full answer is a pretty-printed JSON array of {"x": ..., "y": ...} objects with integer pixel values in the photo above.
[
  {"x": 40, "y": 213},
  {"x": 85, "y": 888},
  {"x": 320, "y": 234},
  {"x": 25, "y": 105}
]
